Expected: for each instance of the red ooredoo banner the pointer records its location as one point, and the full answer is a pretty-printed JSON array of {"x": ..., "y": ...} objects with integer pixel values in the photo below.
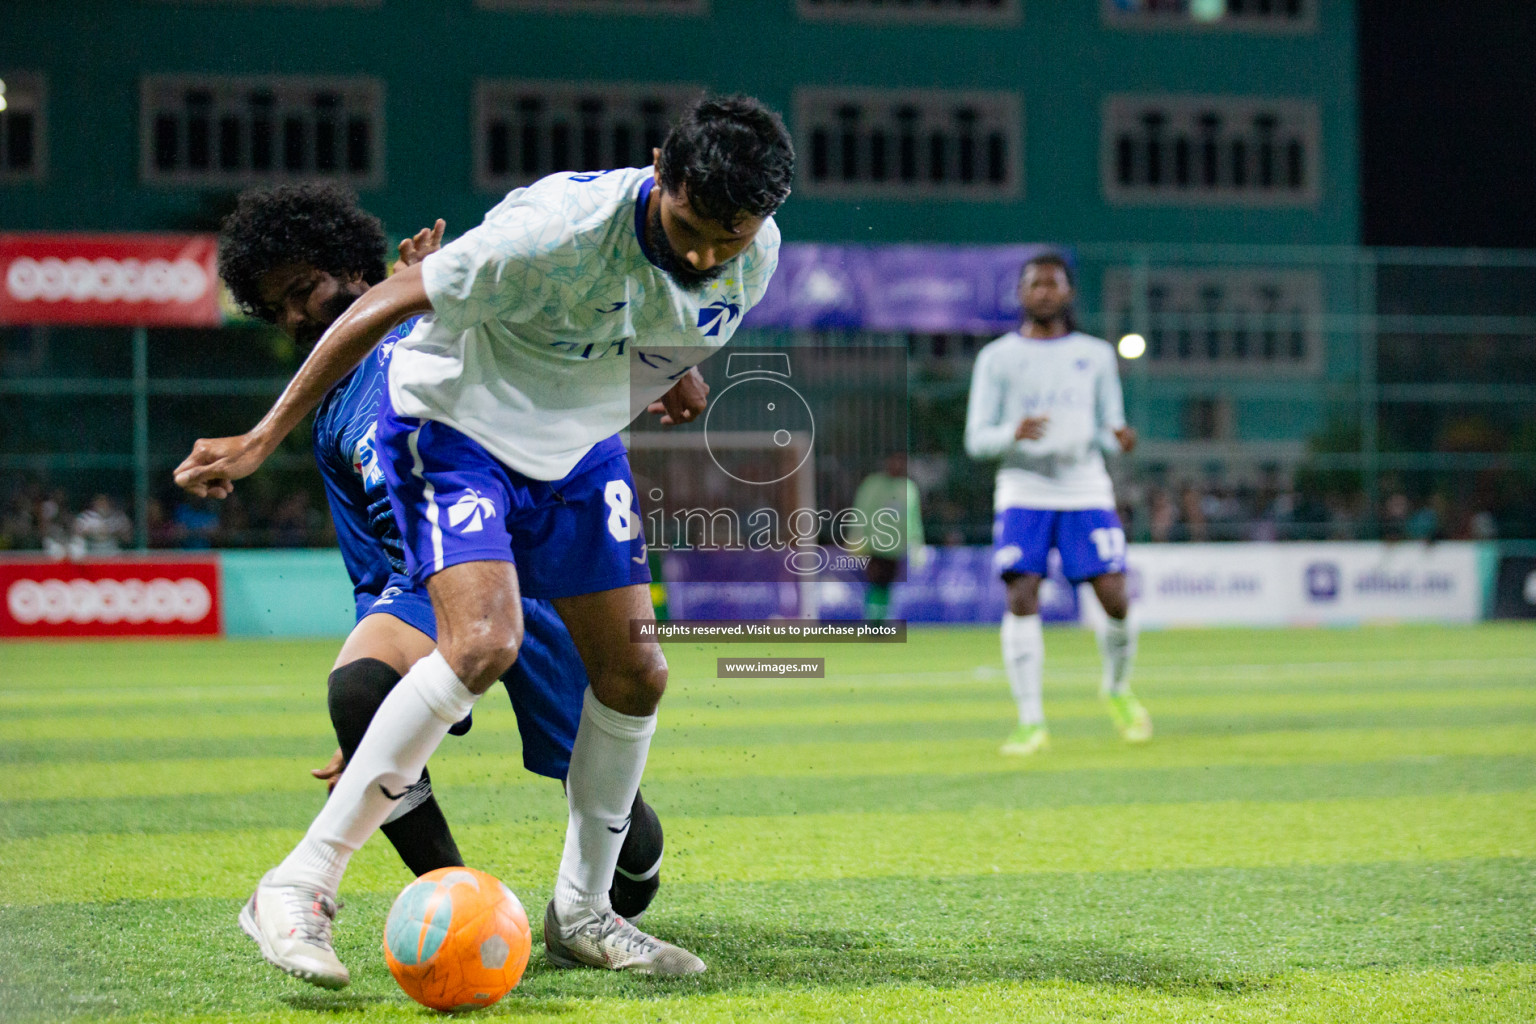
[
  {"x": 119, "y": 598},
  {"x": 129, "y": 280}
]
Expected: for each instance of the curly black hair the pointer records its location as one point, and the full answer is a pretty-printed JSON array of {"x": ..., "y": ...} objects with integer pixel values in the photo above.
[
  {"x": 733, "y": 156},
  {"x": 318, "y": 223}
]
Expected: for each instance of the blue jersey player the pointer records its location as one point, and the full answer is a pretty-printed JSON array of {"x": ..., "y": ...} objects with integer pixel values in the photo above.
[
  {"x": 1045, "y": 400},
  {"x": 297, "y": 255},
  {"x": 579, "y": 301}
]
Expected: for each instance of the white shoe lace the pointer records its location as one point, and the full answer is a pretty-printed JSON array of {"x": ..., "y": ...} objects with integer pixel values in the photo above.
[
  {"x": 314, "y": 912},
  {"x": 619, "y": 932}
]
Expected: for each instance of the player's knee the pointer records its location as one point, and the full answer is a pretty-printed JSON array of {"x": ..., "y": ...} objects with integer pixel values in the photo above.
[
  {"x": 1113, "y": 597},
  {"x": 1116, "y": 606},
  {"x": 634, "y": 686},
  {"x": 480, "y": 654},
  {"x": 648, "y": 679},
  {"x": 353, "y": 693},
  {"x": 1024, "y": 594}
]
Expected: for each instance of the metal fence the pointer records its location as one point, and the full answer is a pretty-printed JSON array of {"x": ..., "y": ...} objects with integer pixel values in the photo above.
[{"x": 1293, "y": 391}]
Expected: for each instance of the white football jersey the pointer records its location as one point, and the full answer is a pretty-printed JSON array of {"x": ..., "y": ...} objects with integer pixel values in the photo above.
[
  {"x": 1076, "y": 382},
  {"x": 551, "y": 329}
]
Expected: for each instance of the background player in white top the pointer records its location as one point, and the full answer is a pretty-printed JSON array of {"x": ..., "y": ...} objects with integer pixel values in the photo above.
[
  {"x": 576, "y": 304},
  {"x": 1045, "y": 399}
]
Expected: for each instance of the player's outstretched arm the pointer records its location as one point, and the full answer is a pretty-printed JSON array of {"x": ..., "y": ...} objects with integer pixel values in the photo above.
[{"x": 216, "y": 463}]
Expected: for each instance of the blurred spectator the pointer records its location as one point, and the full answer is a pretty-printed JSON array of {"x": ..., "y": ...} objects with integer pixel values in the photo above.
[
  {"x": 1483, "y": 526},
  {"x": 293, "y": 524},
  {"x": 101, "y": 529},
  {"x": 16, "y": 530},
  {"x": 163, "y": 533},
  {"x": 1394, "y": 516},
  {"x": 196, "y": 521},
  {"x": 1428, "y": 524},
  {"x": 1193, "y": 521},
  {"x": 236, "y": 528},
  {"x": 1161, "y": 516},
  {"x": 50, "y": 515}
]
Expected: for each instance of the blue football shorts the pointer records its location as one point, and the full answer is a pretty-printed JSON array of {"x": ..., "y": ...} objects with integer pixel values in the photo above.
[
  {"x": 1091, "y": 542},
  {"x": 455, "y": 502}
]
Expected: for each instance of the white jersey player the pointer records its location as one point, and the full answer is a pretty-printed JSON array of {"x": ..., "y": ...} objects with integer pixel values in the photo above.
[
  {"x": 1045, "y": 400},
  {"x": 579, "y": 302}
]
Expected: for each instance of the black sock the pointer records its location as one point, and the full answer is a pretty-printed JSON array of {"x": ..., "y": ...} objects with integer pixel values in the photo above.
[
  {"x": 421, "y": 835},
  {"x": 638, "y": 874}
]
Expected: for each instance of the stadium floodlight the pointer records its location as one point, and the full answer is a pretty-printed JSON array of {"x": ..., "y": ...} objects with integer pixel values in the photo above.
[{"x": 1132, "y": 346}]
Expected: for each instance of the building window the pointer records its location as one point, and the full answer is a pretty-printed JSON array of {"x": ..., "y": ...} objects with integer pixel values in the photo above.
[
  {"x": 693, "y": 7},
  {"x": 1240, "y": 15},
  {"x": 282, "y": 3},
  {"x": 1220, "y": 320},
  {"x": 964, "y": 12},
  {"x": 22, "y": 148},
  {"x": 525, "y": 130},
  {"x": 1210, "y": 150},
  {"x": 909, "y": 144},
  {"x": 237, "y": 131}
]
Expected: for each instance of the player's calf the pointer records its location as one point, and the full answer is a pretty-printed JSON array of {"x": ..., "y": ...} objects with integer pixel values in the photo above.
[
  {"x": 637, "y": 877},
  {"x": 416, "y": 826}
]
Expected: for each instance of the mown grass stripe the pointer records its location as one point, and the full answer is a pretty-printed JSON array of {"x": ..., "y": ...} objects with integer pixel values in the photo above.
[
  {"x": 1205, "y": 932},
  {"x": 1121, "y": 837},
  {"x": 197, "y": 721},
  {"x": 474, "y": 761},
  {"x": 981, "y": 736},
  {"x": 470, "y": 796},
  {"x": 979, "y": 682}
]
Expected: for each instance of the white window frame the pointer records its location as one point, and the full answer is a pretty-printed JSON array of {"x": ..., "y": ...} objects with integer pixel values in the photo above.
[
  {"x": 370, "y": 87},
  {"x": 676, "y": 94},
  {"x": 279, "y": 3},
  {"x": 1302, "y": 113},
  {"x": 1299, "y": 294},
  {"x": 810, "y": 100}
]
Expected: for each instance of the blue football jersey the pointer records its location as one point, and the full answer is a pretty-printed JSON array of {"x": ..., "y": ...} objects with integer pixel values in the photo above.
[{"x": 345, "y": 450}]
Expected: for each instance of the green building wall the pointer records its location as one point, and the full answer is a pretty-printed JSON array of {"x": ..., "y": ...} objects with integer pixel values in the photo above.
[{"x": 1059, "y": 56}]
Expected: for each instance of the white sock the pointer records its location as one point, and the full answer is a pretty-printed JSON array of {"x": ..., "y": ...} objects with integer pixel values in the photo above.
[
  {"x": 1117, "y": 645},
  {"x": 409, "y": 725},
  {"x": 606, "y": 764},
  {"x": 1023, "y": 658}
]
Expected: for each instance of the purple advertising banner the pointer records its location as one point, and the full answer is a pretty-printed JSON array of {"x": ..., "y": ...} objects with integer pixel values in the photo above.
[
  {"x": 953, "y": 584},
  {"x": 896, "y": 287}
]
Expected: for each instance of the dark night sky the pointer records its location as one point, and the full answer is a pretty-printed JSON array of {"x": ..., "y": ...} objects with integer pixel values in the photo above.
[{"x": 1448, "y": 122}]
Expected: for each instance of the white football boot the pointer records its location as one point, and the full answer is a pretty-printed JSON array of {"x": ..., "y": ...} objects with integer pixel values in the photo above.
[
  {"x": 604, "y": 940},
  {"x": 292, "y": 925}
]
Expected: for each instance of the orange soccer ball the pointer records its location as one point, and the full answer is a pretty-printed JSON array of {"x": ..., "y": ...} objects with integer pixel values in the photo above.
[{"x": 457, "y": 939}]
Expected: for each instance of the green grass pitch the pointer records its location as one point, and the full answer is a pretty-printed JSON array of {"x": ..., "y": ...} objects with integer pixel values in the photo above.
[{"x": 1330, "y": 826}]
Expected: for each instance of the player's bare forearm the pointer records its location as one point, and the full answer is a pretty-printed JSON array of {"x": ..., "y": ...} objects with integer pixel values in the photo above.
[{"x": 215, "y": 463}]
